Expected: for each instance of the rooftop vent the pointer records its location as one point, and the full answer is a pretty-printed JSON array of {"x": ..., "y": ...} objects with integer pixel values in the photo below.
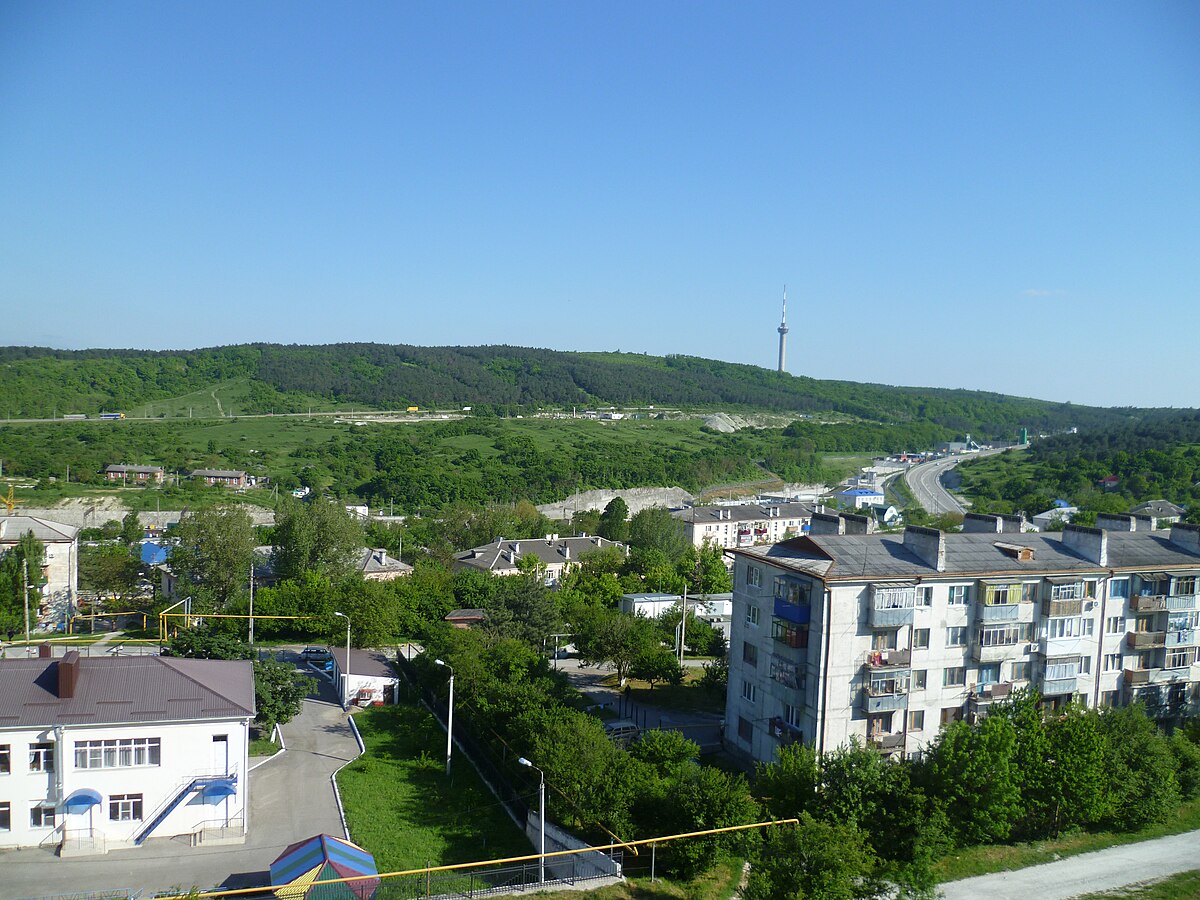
[{"x": 1016, "y": 551}]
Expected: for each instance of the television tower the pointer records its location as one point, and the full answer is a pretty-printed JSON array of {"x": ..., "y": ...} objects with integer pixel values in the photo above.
[{"x": 783, "y": 330}]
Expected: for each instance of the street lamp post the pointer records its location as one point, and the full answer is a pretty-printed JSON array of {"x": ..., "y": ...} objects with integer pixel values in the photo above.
[
  {"x": 541, "y": 818},
  {"x": 449, "y": 715},
  {"x": 346, "y": 674}
]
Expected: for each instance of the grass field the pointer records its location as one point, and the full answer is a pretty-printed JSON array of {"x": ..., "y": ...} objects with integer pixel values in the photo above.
[
  {"x": 401, "y": 807},
  {"x": 1003, "y": 857}
]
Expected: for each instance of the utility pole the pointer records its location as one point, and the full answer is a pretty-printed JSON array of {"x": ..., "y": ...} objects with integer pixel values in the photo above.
[
  {"x": 25, "y": 598},
  {"x": 251, "y": 604}
]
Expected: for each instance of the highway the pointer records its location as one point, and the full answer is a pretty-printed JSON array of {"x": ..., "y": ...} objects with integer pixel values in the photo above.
[{"x": 924, "y": 480}]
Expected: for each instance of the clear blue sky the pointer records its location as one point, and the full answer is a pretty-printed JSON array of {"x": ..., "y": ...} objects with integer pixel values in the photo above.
[{"x": 1001, "y": 196}]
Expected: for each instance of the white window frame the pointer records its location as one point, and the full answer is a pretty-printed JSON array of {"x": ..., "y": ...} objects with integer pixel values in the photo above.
[
  {"x": 753, "y": 576},
  {"x": 753, "y": 615},
  {"x": 954, "y": 676},
  {"x": 41, "y": 757},
  {"x": 42, "y": 816},
  {"x": 128, "y": 808},
  {"x": 960, "y": 595},
  {"x": 749, "y": 691}
]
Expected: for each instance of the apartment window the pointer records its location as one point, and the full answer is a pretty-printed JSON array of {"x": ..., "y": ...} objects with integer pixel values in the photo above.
[
  {"x": 918, "y": 679},
  {"x": 1003, "y": 635},
  {"x": 960, "y": 595},
  {"x": 1089, "y": 627},
  {"x": 1114, "y": 624},
  {"x": 792, "y": 714},
  {"x": 1085, "y": 665},
  {"x": 753, "y": 576},
  {"x": 1108, "y": 698},
  {"x": 951, "y": 714},
  {"x": 794, "y": 636},
  {"x": 789, "y": 590},
  {"x": 1089, "y": 589},
  {"x": 5, "y": 816},
  {"x": 920, "y": 640},
  {"x": 125, "y": 807},
  {"x": 5, "y": 759},
  {"x": 1062, "y": 668},
  {"x": 749, "y": 654},
  {"x": 1070, "y": 591},
  {"x": 787, "y": 673},
  {"x": 1119, "y": 589},
  {"x": 955, "y": 676},
  {"x": 1029, "y": 591},
  {"x": 1001, "y": 594},
  {"x": 1178, "y": 658},
  {"x": 41, "y": 757},
  {"x": 1020, "y": 671},
  {"x": 925, "y": 595},
  {"x": 41, "y": 816},
  {"x": 1184, "y": 586},
  {"x": 989, "y": 674},
  {"x": 1112, "y": 662},
  {"x": 745, "y": 729},
  {"x": 752, "y": 615},
  {"x": 118, "y": 754},
  {"x": 956, "y": 636},
  {"x": 1070, "y": 627},
  {"x": 749, "y": 691},
  {"x": 894, "y": 598},
  {"x": 916, "y": 720}
]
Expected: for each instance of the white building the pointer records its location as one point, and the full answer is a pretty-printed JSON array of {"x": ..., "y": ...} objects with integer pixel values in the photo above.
[
  {"x": 100, "y": 753},
  {"x": 552, "y": 555},
  {"x": 885, "y": 637},
  {"x": 61, "y": 568},
  {"x": 744, "y": 525},
  {"x": 372, "y": 678}
]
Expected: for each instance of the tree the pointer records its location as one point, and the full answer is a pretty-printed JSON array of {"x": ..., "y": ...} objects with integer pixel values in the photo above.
[
  {"x": 278, "y": 693},
  {"x": 614, "y": 523},
  {"x": 657, "y": 664},
  {"x": 205, "y": 643},
  {"x": 814, "y": 859},
  {"x": 521, "y": 607},
  {"x": 131, "y": 529},
  {"x": 21, "y": 573},
  {"x": 972, "y": 769},
  {"x": 790, "y": 785},
  {"x": 654, "y": 528},
  {"x": 216, "y": 546},
  {"x": 109, "y": 570},
  {"x": 605, "y": 635},
  {"x": 320, "y": 537},
  {"x": 665, "y": 750},
  {"x": 1141, "y": 769}
]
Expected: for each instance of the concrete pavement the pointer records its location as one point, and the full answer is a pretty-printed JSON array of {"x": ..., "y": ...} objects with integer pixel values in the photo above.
[
  {"x": 1087, "y": 873},
  {"x": 291, "y": 798}
]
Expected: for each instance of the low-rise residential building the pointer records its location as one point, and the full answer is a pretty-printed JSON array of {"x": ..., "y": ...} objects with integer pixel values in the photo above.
[
  {"x": 99, "y": 753},
  {"x": 1164, "y": 511},
  {"x": 885, "y": 637},
  {"x": 136, "y": 474},
  {"x": 744, "y": 524},
  {"x": 549, "y": 556},
  {"x": 860, "y": 497},
  {"x": 378, "y": 565},
  {"x": 1052, "y": 518},
  {"x": 224, "y": 477},
  {"x": 369, "y": 679},
  {"x": 60, "y": 567}
]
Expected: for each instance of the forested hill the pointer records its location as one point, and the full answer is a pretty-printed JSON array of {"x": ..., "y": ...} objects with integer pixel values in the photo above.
[{"x": 39, "y": 382}]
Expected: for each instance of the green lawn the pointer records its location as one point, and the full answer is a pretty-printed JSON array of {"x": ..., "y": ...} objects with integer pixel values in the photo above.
[
  {"x": 1003, "y": 857},
  {"x": 719, "y": 884},
  {"x": 401, "y": 807},
  {"x": 1184, "y": 886}
]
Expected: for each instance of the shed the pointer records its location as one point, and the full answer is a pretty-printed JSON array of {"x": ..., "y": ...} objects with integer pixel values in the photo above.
[{"x": 372, "y": 677}]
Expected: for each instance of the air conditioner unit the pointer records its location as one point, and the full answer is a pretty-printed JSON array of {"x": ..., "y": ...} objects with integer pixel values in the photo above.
[
  {"x": 1089, "y": 605},
  {"x": 1031, "y": 648}
]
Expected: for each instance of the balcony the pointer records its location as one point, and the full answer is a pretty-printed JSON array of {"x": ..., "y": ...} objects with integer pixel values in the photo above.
[
  {"x": 796, "y": 613},
  {"x": 1145, "y": 640},
  {"x": 879, "y": 701},
  {"x": 981, "y": 698},
  {"x": 1182, "y": 638},
  {"x": 1060, "y": 608},
  {"x": 890, "y": 617},
  {"x": 891, "y": 606},
  {"x": 1137, "y": 677},
  {"x": 1007, "y": 613},
  {"x": 886, "y": 743},
  {"x": 1182, "y": 603},
  {"x": 1149, "y": 603},
  {"x": 888, "y": 659},
  {"x": 1053, "y": 687},
  {"x": 997, "y": 652}
]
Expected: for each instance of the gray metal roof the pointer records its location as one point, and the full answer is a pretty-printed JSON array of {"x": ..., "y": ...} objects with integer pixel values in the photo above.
[
  {"x": 744, "y": 512},
  {"x": 1159, "y": 508},
  {"x": 13, "y": 527},
  {"x": 375, "y": 561},
  {"x": 364, "y": 662},
  {"x": 498, "y": 555},
  {"x": 218, "y": 473},
  {"x": 149, "y": 470},
  {"x": 866, "y": 556},
  {"x": 125, "y": 689}
]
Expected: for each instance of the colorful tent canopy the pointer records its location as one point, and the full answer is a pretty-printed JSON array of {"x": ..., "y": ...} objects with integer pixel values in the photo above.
[{"x": 320, "y": 858}]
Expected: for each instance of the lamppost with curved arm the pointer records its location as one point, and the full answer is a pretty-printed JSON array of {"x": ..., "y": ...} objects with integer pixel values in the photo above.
[
  {"x": 449, "y": 715},
  {"x": 541, "y": 818},
  {"x": 346, "y": 674}
]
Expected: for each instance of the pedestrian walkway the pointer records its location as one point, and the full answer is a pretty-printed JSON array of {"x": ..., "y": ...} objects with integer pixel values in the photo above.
[{"x": 1087, "y": 873}]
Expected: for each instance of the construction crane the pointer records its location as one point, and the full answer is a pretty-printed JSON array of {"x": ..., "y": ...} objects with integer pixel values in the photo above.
[{"x": 10, "y": 502}]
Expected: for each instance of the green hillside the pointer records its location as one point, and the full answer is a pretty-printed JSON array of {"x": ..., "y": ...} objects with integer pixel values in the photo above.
[{"x": 262, "y": 378}]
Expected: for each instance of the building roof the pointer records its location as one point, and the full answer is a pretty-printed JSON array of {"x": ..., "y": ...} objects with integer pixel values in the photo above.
[
  {"x": 1160, "y": 508},
  {"x": 857, "y": 557},
  {"x": 133, "y": 470},
  {"x": 375, "y": 562},
  {"x": 218, "y": 473},
  {"x": 859, "y": 492},
  {"x": 743, "y": 512},
  {"x": 364, "y": 662},
  {"x": 13, "y": 527},
  {"x": 113, "y": 690},
  {"x": 502, "y": 555},
  {"x": 479, "y": 614}
]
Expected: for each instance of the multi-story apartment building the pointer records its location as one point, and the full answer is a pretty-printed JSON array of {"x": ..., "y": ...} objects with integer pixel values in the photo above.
[
  {"x": 884, "y": 637},
  {"x": 100, "y": 753},
  {"x": 745, "y": 524}
]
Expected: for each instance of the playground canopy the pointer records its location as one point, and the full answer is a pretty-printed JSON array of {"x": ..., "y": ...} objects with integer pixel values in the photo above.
[{"x": 320, "y": 858}]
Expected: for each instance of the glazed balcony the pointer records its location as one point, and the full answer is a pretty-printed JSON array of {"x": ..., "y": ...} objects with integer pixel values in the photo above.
[{"x": 1145, "y": 640}]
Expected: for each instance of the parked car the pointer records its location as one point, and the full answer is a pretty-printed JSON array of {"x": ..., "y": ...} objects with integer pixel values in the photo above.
[
  {"x": 622, "y": 732},
  {"x": 316, "y": 654}
]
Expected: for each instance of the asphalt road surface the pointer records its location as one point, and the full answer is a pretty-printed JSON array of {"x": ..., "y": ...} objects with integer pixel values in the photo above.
[
  {"x": 924, "y": 480},
  {"x": 1088, "y": 873}
]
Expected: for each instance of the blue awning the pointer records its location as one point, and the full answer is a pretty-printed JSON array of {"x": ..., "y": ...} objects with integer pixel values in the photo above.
[
  {"x": 218, "y": 790},
  {"x": 81, "y": 801}
]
